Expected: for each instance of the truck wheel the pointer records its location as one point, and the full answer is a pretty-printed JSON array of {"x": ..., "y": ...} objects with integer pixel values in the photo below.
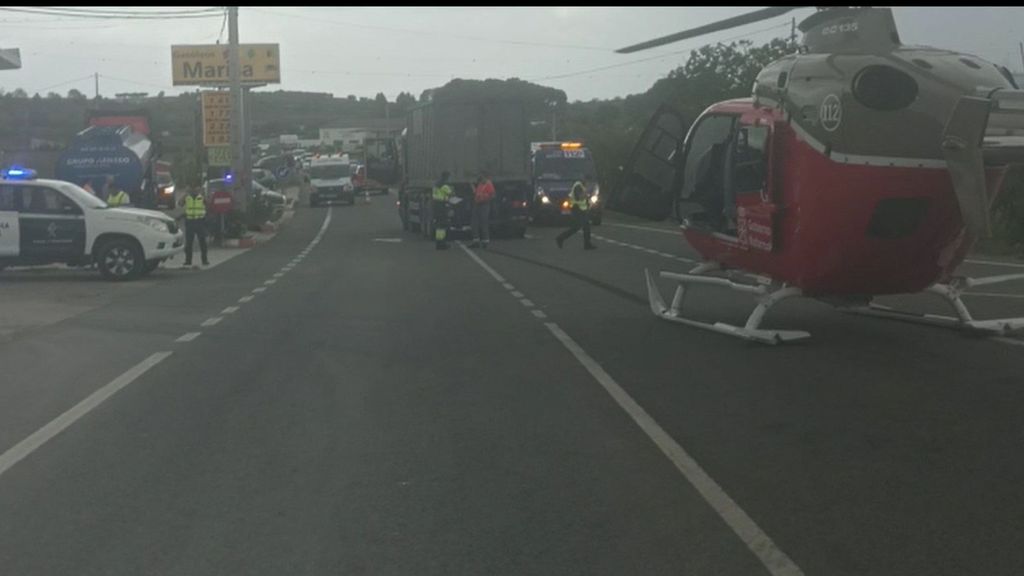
[{"x": 120, "y": 260}]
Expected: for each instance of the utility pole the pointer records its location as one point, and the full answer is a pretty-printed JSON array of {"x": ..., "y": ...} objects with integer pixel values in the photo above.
[
  {"x": 1022, "y": 56},
  {"x": 96, "y": 77},
  {"x": 792, "y": 32},
  {"x": 241, "y": 188}
]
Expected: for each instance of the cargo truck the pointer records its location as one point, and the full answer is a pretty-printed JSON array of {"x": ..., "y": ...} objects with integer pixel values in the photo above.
[{"x": 464, "y": 137}]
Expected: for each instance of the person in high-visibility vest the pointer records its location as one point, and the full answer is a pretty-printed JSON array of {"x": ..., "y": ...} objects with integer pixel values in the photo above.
[
  {"x": 115, "y": 196},
  {"x": 442, "y": 192},
  {"x": 195, "y": 223},
  {"x": 579, "y": 200}
]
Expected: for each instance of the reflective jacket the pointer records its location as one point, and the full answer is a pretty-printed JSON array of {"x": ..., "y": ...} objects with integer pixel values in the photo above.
[
  {"x": 195, "y": 207},
  {"x": 118, "y": 198},
  {"x": 578, "y": 196},
  {"x": 442, "y": 193}
]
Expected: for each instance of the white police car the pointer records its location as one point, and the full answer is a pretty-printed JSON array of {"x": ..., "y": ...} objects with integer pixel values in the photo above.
[{"x": 51, "y": 221}]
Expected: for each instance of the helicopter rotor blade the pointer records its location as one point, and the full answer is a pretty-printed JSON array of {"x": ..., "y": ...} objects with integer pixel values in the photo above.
[{"x": 748, "y": 18}]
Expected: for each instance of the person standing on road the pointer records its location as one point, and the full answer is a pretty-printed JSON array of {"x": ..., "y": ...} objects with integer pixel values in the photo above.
[
  {"x": 442, "y": 192},
  {"x": 579, "y": 199},
  {"x": 87, "y": 186},
  {"x": 195, "y": 223},
  {"x": 483, "y": 194},
  {"x": 115, "y": 196}
]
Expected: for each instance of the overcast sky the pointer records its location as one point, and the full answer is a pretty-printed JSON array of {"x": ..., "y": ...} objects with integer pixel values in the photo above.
[{"x": 364, "y": 51}]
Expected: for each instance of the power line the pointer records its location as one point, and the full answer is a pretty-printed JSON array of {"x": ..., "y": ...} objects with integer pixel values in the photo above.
[
  {"x": 435, "y": 33},
  {"x": 650, "y": 58},
  {"x": 73, "y": 9},
  {"x": 223, "y": 23},
  {"x": 113, "y": 15},
  {"x": 58, "y": 85},
  {"x": 151, "y": 85}
]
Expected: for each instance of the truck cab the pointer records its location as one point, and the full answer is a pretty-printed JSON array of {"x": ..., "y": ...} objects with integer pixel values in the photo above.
[
  {"x": 51, "y": 221},
  {"x": 554, "y": 168}
]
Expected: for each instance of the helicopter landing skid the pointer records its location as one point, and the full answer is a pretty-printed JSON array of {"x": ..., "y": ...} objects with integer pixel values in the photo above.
[
  {"x": 951, "y": 293},
  {"x": 766, "y": 298}
]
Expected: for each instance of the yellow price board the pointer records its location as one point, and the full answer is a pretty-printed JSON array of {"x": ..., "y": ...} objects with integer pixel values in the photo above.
[{"x": 216, "y": 118}]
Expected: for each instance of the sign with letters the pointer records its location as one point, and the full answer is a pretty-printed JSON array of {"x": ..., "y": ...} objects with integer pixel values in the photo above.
[{"x": 207, "y": 64}]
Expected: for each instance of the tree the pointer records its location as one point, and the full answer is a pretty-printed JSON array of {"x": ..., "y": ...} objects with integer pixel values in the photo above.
[
  {"x": 53, "y": 96},
  {"x": 74, "y": 94},
  {"x": 404, "y": 100},
  {"x": 19, "y": 93}
]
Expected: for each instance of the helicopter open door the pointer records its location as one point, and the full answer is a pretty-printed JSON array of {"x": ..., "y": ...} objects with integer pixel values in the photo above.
[{"x": 649, "y": 182}]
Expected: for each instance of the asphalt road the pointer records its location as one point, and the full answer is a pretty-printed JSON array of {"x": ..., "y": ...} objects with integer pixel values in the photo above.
[{"x": 347, "y": 400}]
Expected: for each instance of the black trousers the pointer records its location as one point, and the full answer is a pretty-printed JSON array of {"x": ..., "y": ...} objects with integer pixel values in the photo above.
[
  {"x": 195, "y": 227},
  {"x": 580, "y": 219},
  {"x": 440, "y": 213}
]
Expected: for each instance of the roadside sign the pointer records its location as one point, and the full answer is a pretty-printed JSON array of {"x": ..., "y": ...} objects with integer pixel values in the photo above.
[
  {"x": 207, "y": 64},
  {"x": 221, "y": 202},
  {"x": 218, "y": 156},
  {"x": 216, "y": 118}
]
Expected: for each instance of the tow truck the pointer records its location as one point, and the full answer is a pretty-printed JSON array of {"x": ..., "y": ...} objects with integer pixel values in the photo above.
[{"x": 51, "y": 221}]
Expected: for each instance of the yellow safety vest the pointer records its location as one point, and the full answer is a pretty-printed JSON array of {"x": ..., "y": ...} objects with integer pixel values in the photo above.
[
  {"x": 584, "y": 203},
  {"x": 195, "y": 207},
  {"x": 442, "y": 193},
  {"x": 117, "y": 199}
]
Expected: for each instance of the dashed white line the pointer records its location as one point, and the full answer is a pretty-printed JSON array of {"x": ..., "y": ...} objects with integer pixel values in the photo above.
[
  {"x": 260, "y": 289},
  {"x": 188, "y": 337},
  {"x": 29, "y": 445},
  {"x": 229, "y": 310},
  {"x": 270, "y": 282},
  {"x": 482, "y": 264},
  {"x": 279, "y": 275},
  {"x": 756, "y": 540},
  {"x": 508, "y": 286},
  {"x": 994, "y": 263},
  {"x": 774, "y": 559},
  {"x": 647, "y": 228},
  {"x": 212, "y": 321},
  {"x": 517, "y": 294},
  {"x": 245, "y": 299}
]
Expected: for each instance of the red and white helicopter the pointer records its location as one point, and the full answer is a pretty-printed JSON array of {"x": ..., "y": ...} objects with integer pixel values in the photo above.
[{"x": 859, "y": 167}]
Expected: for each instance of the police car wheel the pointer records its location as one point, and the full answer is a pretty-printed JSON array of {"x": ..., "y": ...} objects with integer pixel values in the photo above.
[{"x": 120, "y": 260}]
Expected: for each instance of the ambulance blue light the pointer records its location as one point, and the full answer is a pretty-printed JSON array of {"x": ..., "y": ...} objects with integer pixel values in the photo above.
[{"x": 18, "y": 173}]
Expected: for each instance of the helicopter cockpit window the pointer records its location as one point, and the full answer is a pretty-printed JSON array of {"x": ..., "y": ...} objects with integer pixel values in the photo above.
[
  {"x": 749, "y": 159},
  {"x": 882, "y": 87},
  {"x": 705, "y": 172}
]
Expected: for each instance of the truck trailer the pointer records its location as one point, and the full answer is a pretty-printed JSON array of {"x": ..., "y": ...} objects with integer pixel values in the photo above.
[
  {"x": 115, "y": 150},
  {"x": 465, "y": 137}
]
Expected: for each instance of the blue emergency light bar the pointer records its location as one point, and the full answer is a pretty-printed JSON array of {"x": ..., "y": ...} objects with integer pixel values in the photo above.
[
  {"x": 229, "y": 177},
  {"x": 18, "y": 173}
]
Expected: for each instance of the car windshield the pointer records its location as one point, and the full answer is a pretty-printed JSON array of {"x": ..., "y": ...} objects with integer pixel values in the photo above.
[
  {"x": 330, "y": 171},
  {"x": 556, "y": 166},
  {"x": 163, "y": 179}
]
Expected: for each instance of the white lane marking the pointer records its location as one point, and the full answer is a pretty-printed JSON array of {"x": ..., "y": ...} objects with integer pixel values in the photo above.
[
  {"x": 188, "y": 337},
  {"x": 279, "y": 275},
  {"x": 992, "y": 294},
  {"x": 22, "y": 449},
  {"x": 270, "y": 282},
  {"x": 229, "y": 310},
  {"x": 526, "y": 303},
  {"x": 245, "y": 299},
  {"x": 212, "y": 321},
  {"x": 645, "y": 249},
  {"x": 482, "y": 264},
  {"x": 647, "y": 228},
  {"x": 1005, "y": 340},
  {"x": 774, "y": 559},
  {"x": 517, "y": 294},
  {"x": 994, "y": 263},
  {"x": 539, "y": 314},
  {"x": 508, "y": 286},
  {"x": 395, "y": 240},
  {"x": 260, "y": 289}
]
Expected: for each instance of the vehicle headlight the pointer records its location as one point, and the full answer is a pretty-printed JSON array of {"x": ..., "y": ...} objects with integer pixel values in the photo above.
[
  {"x": 540, "y": 191},
  {"x": 169, "y": 190},
  {"x": 158, "y": 225},
  {"x": 594, "y": 199},
  {"x": 544, "y": 199}
]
